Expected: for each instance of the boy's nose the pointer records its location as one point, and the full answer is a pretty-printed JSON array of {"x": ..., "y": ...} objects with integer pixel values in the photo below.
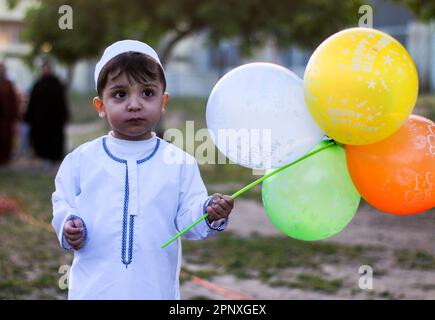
[{"x": 134, "y": 104}]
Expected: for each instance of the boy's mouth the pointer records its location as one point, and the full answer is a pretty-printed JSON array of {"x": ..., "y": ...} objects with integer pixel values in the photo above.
[{"x": 136, "y": 120}]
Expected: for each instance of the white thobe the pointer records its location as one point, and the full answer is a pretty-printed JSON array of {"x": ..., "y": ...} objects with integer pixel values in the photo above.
[{"x": 132, "y": 197}]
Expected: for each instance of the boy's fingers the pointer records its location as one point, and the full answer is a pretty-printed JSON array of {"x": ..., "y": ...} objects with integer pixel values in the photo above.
[
  {"x": 228, "y": 200},
  {"x": 73, "y": 227},
  {"x": 71, "y": 230},
  {"x": 78, "y": 223},
  {"x": 73, "y": 236},
  {"x": 78, "y": 246},
  {"x": 216, "y": 197},
  {"x": 68, "y": 225},
  {"x": 211, "y": 212},
  {"x": 219, "y": 210},
  {"x": 75, "y": 243},
  {"x": 225, "y": 205}
]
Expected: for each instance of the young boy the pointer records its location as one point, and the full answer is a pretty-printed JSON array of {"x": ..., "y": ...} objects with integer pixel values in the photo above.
[{"x": 119, "y": 197}]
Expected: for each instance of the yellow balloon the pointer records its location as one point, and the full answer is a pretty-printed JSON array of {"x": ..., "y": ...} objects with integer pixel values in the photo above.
[{"x": 360, "y": 86}]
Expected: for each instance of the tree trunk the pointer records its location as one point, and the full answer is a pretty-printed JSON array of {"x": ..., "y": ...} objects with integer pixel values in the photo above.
[
  {"x": 167, "y": 49},
  {"x": 164, "y": 59}
]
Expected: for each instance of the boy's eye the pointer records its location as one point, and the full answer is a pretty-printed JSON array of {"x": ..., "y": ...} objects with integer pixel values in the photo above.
[
  {"x": 148, "y": 93},
  {"x": 119, "y": 94}
]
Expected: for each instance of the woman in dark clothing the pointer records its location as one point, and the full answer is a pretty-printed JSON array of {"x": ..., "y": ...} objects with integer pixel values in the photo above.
[
  {"x": 8, "y": 116},
  {"x": 47, "y": 114}
]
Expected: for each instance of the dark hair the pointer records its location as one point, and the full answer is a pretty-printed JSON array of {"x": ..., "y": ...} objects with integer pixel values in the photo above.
[{"x": 137, "y": 66}]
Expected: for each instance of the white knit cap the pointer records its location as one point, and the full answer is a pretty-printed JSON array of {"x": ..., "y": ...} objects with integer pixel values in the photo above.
[{"x": 120, "y": 47}]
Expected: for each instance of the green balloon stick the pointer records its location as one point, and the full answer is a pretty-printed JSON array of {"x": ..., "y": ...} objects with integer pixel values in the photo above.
[{"x": 250, "y": 186}]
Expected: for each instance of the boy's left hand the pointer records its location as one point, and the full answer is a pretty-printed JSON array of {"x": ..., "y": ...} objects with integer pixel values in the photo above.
[{"x": 219, "y": 207}]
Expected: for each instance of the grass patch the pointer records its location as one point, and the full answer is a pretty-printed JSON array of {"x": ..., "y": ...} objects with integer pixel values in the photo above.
[
  {"x": 193, "y": 108},
  {"x": 32, "y": 189},
  {"x": 80, "y": 107},
  {"x": 203, "y": 273},
  {"x": 30, "y": 256},
  {"x": 76, "y": 140},
  {"x": 230, "y": 173},
  {"x": 261, "y": 256},
  {"x": 308, "y": 281},
  {"x": 30, "y": 261},
  {"x": 414, "y": 259},
  {"x": 387, "y": 295}
]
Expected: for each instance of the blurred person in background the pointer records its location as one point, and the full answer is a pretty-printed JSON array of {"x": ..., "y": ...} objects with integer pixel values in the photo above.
[
  {"x": 47, "y": 114},
  {"x": 8, "y": 116}
]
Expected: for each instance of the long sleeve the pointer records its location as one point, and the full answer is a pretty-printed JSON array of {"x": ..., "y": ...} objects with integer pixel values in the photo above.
[
  {"x": 192, "y": 203},
  {"x": 67, "y": 188}
]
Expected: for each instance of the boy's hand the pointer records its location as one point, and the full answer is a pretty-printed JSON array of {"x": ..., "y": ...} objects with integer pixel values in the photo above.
[
  {"x": 73, "y": 233},
  {"x": 219, "y": 207}
]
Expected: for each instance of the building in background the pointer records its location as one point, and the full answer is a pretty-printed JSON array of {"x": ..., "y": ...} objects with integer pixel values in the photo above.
[
  {"x": 418, "y": 38},
  {"x": 12, "y": 49}
]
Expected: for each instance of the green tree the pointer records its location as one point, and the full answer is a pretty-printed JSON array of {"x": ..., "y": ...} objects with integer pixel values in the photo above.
[
  {"x": 423, "y": 9},
  {"x": 164, "y": 23}
]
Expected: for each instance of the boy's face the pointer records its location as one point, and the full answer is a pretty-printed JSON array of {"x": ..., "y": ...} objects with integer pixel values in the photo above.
[{"x": 132, "y": 110}]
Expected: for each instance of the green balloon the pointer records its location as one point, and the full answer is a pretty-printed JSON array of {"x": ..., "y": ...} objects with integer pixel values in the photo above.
[{"x": 313, "y": 200}]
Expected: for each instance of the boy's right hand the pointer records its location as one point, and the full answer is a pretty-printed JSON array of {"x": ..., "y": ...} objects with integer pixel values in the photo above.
[{"x": 73, "y": 233}]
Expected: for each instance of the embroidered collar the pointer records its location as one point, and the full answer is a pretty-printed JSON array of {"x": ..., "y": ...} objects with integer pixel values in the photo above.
[{"x": 118, "y": 149}]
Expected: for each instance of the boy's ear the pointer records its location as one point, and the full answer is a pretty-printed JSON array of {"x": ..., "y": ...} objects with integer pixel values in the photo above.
[
  {"x": 98, "y": 105},
  {"x": 164, "y": 102}
]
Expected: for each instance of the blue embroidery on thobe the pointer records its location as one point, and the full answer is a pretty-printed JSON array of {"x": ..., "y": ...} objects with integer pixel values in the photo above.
[{"x": 126, "y": 259}]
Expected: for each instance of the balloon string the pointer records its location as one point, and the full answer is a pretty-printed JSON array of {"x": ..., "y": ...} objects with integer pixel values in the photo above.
[{"x": 250, "y": 186}]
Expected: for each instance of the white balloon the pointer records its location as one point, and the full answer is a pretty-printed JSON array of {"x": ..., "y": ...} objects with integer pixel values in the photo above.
[{"x": 257, "y": 117}]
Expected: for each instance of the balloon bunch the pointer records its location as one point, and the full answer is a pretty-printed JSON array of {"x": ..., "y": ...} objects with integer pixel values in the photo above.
[{"x": 359, "y": 88}]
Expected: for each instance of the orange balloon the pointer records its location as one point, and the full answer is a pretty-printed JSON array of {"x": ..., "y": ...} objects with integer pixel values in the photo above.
[{"x": 397, "y": 175}]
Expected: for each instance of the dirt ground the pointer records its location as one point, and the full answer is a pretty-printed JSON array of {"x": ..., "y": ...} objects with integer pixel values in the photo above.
[{"x": 369, "y": 228}]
